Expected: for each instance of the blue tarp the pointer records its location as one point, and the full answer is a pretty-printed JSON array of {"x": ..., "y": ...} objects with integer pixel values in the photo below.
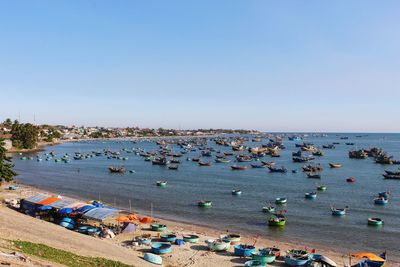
[
  {"x": 100, "y": 214},
  {"x": 65, "y": 211},
  {"x": 43, "y": 208},
  {"x": 84, "y": 209}
]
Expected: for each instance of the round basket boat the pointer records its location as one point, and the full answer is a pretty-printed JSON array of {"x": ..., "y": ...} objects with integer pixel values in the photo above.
[
  {"x": 244, "y": 250},
  {"x": 205, "y": 204},
  {"x": 168, "y": 238},
  {"x": 264, "y": 256},
  {"x": 161, "y": 248},
  {"x": 232, "y": 238},
  {"x": 281, "y": 200},
  {"x": 158, "y": 227},
  {"x": 191, "y": 238},
  {"x": 254, "y": 263},
  {"x": 375, "y": 221}
]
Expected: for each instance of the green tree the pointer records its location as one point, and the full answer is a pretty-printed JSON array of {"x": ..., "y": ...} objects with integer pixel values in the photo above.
[
  {"x": 7, "y": 172},
  {"x": 24, "y": 135},
  {"x": 7, "y": 123}
]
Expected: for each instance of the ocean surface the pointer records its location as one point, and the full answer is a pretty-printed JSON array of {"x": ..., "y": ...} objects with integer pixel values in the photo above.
[{"x": 309, "y": 221}]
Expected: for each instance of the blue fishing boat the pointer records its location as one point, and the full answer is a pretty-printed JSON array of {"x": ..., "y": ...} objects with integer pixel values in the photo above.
[
  {"x": 297, "y": 258},
  {"x": 254, "y": 263},
  {"x": 264, "y": 256},
  {"x": 384, "y": 194},
  {"x": 381, "y": 201},
  {"x": 161, "y": 248},
  {"x": 168, "y": 238},
  {"x": 311, "y": 195},
  {"x": 244, "y": 250}
]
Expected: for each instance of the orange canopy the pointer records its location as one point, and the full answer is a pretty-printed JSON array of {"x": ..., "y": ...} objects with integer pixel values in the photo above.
[
  {"x": 133, "y": 218},
  {"x": 369, "y": 256},
  {"x": 48, "y": 201}
]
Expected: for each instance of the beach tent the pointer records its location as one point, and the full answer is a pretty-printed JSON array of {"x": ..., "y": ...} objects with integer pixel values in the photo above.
[
  {"x": 30, "y": 202},
  {"x": 100, "y": 214},
  {"x": 48, "y": 200},
  {"x": 130, "y": 228},
  {"x": 62, "y": 203}
]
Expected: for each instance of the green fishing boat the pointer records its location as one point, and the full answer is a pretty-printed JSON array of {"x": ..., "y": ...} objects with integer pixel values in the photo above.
[
  {"x": 281, "y": 200},
  {"x": 158, "y": 227},
  {"x": 277, "y": 220},
  {"x": 204, "y": 203},
  {"x": 322, "y": 188},
  {"x": 375, "y": 221},
  {"x": 162, "y": 183}
]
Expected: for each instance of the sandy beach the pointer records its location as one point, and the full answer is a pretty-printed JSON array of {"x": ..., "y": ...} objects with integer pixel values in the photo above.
[{"x": 15, "y": 225}]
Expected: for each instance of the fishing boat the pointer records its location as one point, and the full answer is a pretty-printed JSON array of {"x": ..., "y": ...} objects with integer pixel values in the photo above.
[
  {"x": 254, "y": 263},
  {"x": 232, "y": 238},
  {"x": 257, "y": 166},
  {"x": 281, "y": 200},
  {"x": 381, "y": 201},
  {"x": 269, "y": 209},
  {"x": 370, "y": 260},
  {"x": 153, "y": 258},
  {"x": 375, "y": 221},
  {"x": 158, "y": 227},
  {"x": 312, "y": 168},
  {"x": 339, "y": 212},
  {"x": 218, "y": 244},
  {"x": 329, "y": 146},
  {"x": 302, "y": 159},
  {"x": 311, "y": 195},
  {"x": 322, "y": 188},
  {"x": 273, "y": 250},
  {"x": 204, "y": 204},
  {"x": 281, "y": 170},
  {"x": 358, "y": 154},
  {"x": 161, "y": 248},
  {"x": 161, "y": 162},
  {"x": 314, "y": 175},
  {"x": 222, "y": 160},
  {"x": 203, "y": 163},
  {"x": 277, "y": 220},
  {"x": 236, "y": 192},
  {"x": 161, "y": 183},
  {"x": 296, "y": 257},
  {"x": 351, "y": 180},
  {"x": 191, "y": 238},
  {"x": 392, "y": 172},
  {"x": 116, "y": 169},
  {"x": 238, "y": 167},
  {"x": 384, "y": 194},
  {"x": 391, "y": 177},
  {"x": 265, "y": 256},
  {"x": 244, "y": 250},
  {"x": 320, "y": 261},
  {"x": 318, "y": 153},
  {"x": 335, "y": 165},
  {"x": 173, "y": 167},
  {"x": 168, "y": 238}
]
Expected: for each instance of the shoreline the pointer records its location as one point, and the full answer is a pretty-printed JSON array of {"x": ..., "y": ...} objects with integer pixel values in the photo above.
[{"x": 206, "y": 232}]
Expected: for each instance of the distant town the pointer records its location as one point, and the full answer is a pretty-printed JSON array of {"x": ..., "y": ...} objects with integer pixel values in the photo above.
[{"x": 19, "y": 136}]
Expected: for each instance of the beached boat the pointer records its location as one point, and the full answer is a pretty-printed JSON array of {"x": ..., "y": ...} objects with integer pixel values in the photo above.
[
  {"x": 153, "y": 258},
  {"x": 277, "y": 220},
  {"x": 158, "y": 227},
  {"x": 265, "y": 256},
  {"x": 168, "y": 238},
  {"x": 381, "y": 201},
  {"x": 161, "y": 248},
  {"x": 254, "y": 263},
  {"x": 244, "y": 250},
  {"x": 236, "y": 192},
  {"x": 191, "y": 238},
  {"x": 232, "y": 238},
  {"x": 375, "y": 221},
  {"x": 296, "y": 258},
  {"x": 311, "y": 195},
  {"x": 370, "y": 260},
  {"x": 117, "y": 169},
  {"x": 318, "y": 260},
  {"x": 218, "y": 244},
  {"x": 335, "y": 165},
  {"x": 238, "y": 167},
  {"x": 204, "y": 204}
]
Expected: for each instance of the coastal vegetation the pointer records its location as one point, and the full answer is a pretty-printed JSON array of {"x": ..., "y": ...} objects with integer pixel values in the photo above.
[
  {"x": 63, "y": 257},
  {"x": 6, "y": 167},
  {"x": 24, "y": 135}
]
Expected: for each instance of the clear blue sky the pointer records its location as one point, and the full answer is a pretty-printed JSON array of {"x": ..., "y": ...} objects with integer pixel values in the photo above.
[{"x": 269, "y": 65}]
